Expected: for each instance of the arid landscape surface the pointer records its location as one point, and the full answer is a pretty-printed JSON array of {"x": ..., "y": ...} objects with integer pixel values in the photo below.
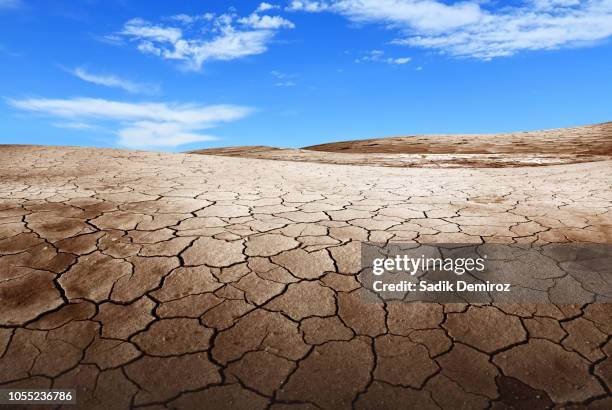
[
  {"x": 161, "y": 280},
  {"x": 548, "y": 147}
]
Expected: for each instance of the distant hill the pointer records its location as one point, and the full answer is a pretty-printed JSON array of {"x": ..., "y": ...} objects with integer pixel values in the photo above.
[
  {"x": 530, "y": 148},
  {"x": 234, "y": 151},
  {"x": 591, "y": 139}
]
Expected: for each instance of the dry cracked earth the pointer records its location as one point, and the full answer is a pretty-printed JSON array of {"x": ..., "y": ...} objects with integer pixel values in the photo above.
[
  {"x": 530, "y": 148},
  {"x": 157, "y": 280}
]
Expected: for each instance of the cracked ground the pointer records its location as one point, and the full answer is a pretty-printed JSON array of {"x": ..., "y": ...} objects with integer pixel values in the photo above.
[{"x": 186, "y": 281}]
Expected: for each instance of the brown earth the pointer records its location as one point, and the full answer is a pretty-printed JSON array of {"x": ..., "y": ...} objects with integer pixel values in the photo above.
[
  {"x": 161, "y": 280},
  {"x": 533, "y": 148},
  {"x": 238, "y": 151}
]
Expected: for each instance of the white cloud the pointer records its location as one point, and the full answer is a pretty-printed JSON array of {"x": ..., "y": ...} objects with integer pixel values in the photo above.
[
  {"x": 373, "y": 55},
  {"x": 140, "y": 28},
  {"x": 310, "y": 6},
  {"x": 147, "y": 47},
  {"x": 148, "y": 133},
  {"x": 108, "y": 80},
  {"x": 266, "y": 6},
  {"x": 112, "y": 39},
  {"x": 73, "y": 125},
  {"x": 218, "y": 37},
  {"x": 378, "y": 56},
  {"x": 474, "y": 29},
  {"x": 400, "y": 60},
  {"x": 424, "y": 15},
  {"x": 552, "y": 4},
  {"x": 139, "y": 124},
  {"x": 187, "y": 19},
  {"x": 183, "y": 18},
  {"x": 266, "y": 22}
]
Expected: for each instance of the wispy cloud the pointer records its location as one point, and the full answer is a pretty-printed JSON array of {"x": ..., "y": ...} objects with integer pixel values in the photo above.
[
  {"x": 139, "y": 125},
  {"x": 265, "y": 22},
  {"x": 378, "y": 56},
  {"x": 474, "y": 28},
  {"x": 187, "y": 19},
  {"x": 112, "y": 39},
  {"x": 283, "y": 79},
  {"x": 73, "y": 125},
  {"x": 399, "y": 60},
  {"x": 140, "y": 28},
  {"x": 266, "y": 7},
  {"x": 109, "y": 80},
  {"x": 310, "y": 6},
  {"x": 207, "y": 37}
]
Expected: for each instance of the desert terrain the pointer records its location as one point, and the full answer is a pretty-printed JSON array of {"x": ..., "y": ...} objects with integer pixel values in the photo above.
[
  {"x": 531, "y": 148},
  {"x": 229, "y": 280}
]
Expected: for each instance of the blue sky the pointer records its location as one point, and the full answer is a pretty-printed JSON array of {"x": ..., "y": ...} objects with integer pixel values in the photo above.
[{"x": 185, "y": 74}]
